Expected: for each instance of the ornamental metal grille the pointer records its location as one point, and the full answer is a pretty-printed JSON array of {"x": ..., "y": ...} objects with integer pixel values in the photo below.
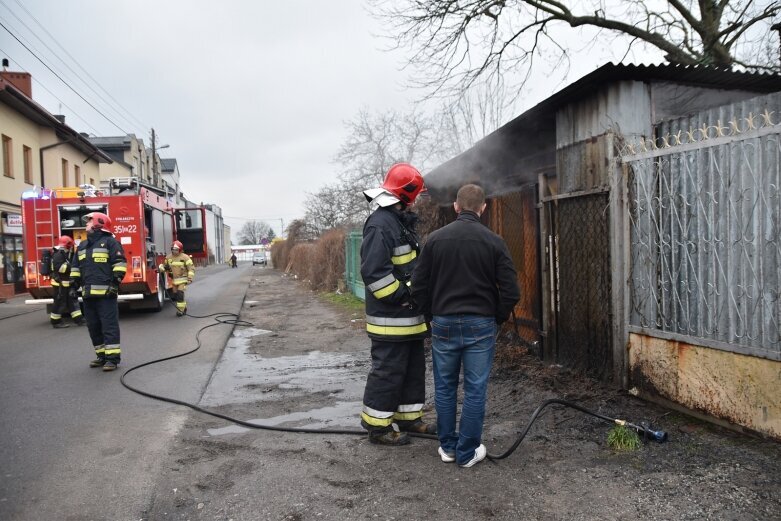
[{"x": 704, "y": 226}]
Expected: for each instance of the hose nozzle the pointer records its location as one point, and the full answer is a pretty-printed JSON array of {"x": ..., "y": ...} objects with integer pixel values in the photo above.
[{"x": 645, "y": 431}]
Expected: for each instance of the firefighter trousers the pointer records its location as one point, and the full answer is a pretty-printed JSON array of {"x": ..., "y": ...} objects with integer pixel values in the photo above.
[
  {"x": 102, "y": 315},
  {"x": 65, "y": 304},
  {"x": 396, "y": 385},
  {"x": 177, "y": 297}
]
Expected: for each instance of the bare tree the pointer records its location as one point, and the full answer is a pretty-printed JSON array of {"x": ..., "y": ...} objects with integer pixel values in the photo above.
[
  {"x": 333, "y": 206},
  {"x": 253, "y": 232},
  {"x": 456, "y": 43}
]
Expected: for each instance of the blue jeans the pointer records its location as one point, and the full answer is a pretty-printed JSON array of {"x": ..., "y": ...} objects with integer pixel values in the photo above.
[{"x": 458, "y": 340}]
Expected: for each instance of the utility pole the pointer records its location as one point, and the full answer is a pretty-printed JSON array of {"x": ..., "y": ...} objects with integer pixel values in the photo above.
[{"x": 154, "y": 160}]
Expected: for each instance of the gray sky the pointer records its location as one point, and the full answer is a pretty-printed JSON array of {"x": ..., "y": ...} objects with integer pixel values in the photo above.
[{"x": 251, "y": 96}]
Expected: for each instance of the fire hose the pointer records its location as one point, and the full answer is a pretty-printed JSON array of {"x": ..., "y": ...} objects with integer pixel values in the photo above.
[{"x": 644, "y": 431}]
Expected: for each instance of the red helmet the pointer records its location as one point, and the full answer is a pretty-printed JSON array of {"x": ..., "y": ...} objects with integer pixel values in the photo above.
[
  {"x": 403, "y": 181},
  {"x": 177, "y": 245},
  {"x": 100, "y": 221},
  {"x": 65, "y": 242}
]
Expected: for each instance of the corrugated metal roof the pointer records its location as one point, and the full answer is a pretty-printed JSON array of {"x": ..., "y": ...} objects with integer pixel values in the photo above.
[{"x": 528, "y": 136}]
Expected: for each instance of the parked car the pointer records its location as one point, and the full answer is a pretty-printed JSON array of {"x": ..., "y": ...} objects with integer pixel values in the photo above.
[{"x": 259, "y": 258}]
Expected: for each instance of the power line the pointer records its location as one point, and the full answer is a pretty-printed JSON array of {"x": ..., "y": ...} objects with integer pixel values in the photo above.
[
  {"x": 135, "y": 121},
  {"x": 62, "y": 80},
  {"x": 55, "y": 55},
  {"x": 40, "y": 84}
]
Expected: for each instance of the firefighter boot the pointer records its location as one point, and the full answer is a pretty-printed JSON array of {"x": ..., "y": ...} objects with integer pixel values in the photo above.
[
  {"x": 109, "y": 366},
  {"x": 388, "y": 437},
  {"x": 59, "y": 325},
  {"x": 98, "y": 362},
  {"x": 417, "y": 426}
]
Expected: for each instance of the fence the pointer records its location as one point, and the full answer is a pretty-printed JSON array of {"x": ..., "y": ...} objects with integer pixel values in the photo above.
[
  {"x": 705, "y": 221},
  {"x": 352, "y": 264}
]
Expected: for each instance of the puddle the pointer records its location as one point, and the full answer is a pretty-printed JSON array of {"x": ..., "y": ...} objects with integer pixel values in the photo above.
[
  {"x": 328, "y": 387},
  {"x": 339, "y": 415}
]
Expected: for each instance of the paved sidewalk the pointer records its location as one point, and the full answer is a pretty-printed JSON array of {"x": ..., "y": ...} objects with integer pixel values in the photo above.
[{"x": 15, "y": 306}]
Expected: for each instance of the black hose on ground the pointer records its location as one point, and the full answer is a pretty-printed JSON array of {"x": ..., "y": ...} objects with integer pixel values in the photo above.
[{"x": 233, "y": 319}]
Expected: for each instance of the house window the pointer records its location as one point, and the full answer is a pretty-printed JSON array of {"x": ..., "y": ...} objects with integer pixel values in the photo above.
[
  {"x": 8, "y": 160},
  {"x": 64, "y": 172},
  {"x": 27, "y": 158},
  {"x": 77, "y": 175}
]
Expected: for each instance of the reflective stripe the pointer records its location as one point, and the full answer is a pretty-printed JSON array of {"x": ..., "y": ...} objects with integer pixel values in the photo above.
[
  {"x": 55, "y": 283},
  {"x": 82, "y": 256},
  {"x": 76, "y": 314},
  {"x": 99, "y": 250},
  {"x": 180, "y": 280},
  {"x": 55, "y": 316},
  {"x": 387, "y": 279},
  {"x": 377, "y": 414},
  {"x": 376, "y": 422},
  {"x": 388, "y": 321},
  {"x": 63, "y": 267},
  {"x": 408, "y": 416},
  {"x": 387, "y": 290},
  {"x": 396, "y": 331},
  {"x": 99, "y": 349},
  {"x": 401, "y": 250},
  {"x": 99, "y": 255},
  {"x": 404, "y": 259},
  {"x": 66, "y": 283},
  {"x": 176, "y": 263},
  {"x": 181, "y": 306},
  {"x": 410, "y": 407},
  {"x": 120, "y": 266},
  {"x": 75, "y": 272},
  {"x": 112, "y": 349},
  {"x": 191, "y": 274}
]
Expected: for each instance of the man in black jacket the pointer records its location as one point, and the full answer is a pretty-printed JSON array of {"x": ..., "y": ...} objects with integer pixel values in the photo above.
[
  {"x": 466, "y": 284},
  {"x": 99, "y": 267},
  {"x": 395, "y": 388}
]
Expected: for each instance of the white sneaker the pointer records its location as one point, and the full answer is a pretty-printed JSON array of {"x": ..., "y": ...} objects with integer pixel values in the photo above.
[
  {"x": 479, "y": 456},
  {"x": 445, "y": 457}
]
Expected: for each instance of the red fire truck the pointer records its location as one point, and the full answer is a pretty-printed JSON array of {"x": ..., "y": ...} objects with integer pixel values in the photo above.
[{"x": 144, "y": 223}]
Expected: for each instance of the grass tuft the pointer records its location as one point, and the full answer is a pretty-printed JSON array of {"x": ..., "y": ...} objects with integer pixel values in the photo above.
[{"x": 623, "y": 439}]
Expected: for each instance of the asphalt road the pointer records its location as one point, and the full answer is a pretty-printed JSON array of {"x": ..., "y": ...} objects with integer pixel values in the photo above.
[{"x": 74, "y": 443}]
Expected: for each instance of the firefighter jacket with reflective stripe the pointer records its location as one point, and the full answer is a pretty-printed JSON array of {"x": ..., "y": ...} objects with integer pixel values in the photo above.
[
  {"x": 465, "y": 268},
  {"x": 180, "y": 266},
  {"x": 61, "y": 267},
  {"x": 388, "y": 255},
  {"x": 99, "y": 263}
]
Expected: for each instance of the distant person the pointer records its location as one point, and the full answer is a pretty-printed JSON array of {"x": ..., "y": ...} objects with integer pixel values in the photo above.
[
  {"x": 233, "y": 261},
  {"x": 395, "y": 388},
  {"x": 66, "y": 301},
  {"x": 466, "y": 283},
  {"x": 99, "y": 267},
  {"x": 179, "y": 266}
]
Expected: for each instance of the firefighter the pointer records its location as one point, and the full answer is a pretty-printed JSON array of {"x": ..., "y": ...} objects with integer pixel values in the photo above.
[
  {"x": 395, "y": 388},
  {"x": 179, "y": 266},
  {"x": 99, "y": 267},
  {"x": 65, "y": 298}
]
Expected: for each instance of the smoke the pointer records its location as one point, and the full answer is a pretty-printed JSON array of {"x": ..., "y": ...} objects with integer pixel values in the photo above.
[{"x": 502, "y": 162}]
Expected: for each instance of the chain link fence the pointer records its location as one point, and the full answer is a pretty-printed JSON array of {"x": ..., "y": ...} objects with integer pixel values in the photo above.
[{"x": 583, "y": 278}]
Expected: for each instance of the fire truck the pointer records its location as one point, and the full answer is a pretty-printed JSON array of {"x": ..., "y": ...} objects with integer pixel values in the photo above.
[{"x": 143, "y": 220}]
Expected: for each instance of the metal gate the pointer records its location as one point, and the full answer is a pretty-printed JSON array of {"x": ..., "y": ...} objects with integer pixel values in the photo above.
[
  {"x": 583, "y": 283},
  {"x": 514, "y": 217}
]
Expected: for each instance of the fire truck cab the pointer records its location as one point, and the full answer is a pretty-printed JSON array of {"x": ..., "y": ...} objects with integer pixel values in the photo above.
[{"x": 143, "y": 221}]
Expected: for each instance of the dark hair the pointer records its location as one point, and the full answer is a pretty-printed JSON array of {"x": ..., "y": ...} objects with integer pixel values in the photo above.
[{"x": 471, "y": 197}]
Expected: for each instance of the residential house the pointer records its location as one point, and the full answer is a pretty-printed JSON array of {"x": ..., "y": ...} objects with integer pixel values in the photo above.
[
  {"x": 641, "y": 206},
  {"x": 39, "y": 152}
]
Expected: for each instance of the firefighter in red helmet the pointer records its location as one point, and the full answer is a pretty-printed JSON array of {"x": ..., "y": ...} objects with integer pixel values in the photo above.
[
  {"x": 179, "y": 266},
  {"x": 395, "y": 388},
  {"x": 99, "y": 267},
  {"x": 65, "y": 298}
]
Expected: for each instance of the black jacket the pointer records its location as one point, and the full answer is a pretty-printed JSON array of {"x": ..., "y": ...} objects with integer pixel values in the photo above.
[
  {"x": 389, "y": 253},
  {"x": 61, "y": 267},
  {"x": 99, "y": 263},
  {"x": 465, "y": 268}
]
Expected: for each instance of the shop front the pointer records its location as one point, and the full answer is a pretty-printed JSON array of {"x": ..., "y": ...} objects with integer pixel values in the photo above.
[{"x": 11, "y": 254}]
